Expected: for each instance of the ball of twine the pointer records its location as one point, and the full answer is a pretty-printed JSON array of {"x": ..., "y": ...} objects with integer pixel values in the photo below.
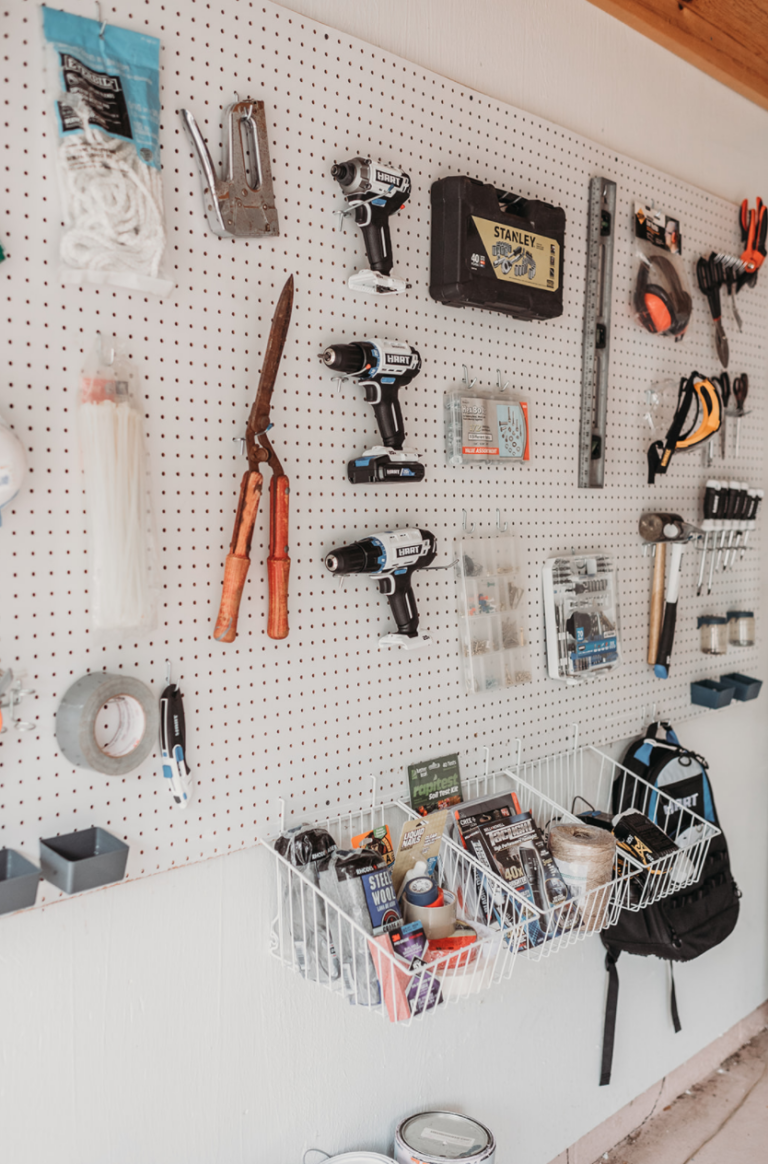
[{"x": 585, "y": 856}]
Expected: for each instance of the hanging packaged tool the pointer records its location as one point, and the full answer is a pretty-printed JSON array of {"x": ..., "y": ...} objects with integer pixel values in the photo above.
[
  {"x": 242, "y": 203},
  {"x": 238, "y": 558},
  {"x": 661, "y": 299},
  {"x": 581, "y": 613},
  {"x": 173, "y": 746},
  {"x": 391, "y": 558},
  {"x": 486, "y": 425},
  {"x": 382, "y": 367},
  {"x": 496, "y": 250},
  {"x": 373, "y": 193},
  {"x": 700, "y": 408}
]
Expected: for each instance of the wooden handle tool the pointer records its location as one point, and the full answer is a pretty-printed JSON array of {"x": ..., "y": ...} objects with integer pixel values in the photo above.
[
  {"x": 657, "y": 601},
  {"x": 278, "y": 562},
  {"x": 238, "y": 560}
]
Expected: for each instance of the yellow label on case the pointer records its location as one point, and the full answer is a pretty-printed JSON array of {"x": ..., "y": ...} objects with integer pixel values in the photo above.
[{"x": 518, "y": 256}]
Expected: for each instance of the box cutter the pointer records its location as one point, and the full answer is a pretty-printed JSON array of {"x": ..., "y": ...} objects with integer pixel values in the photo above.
[{"x": 173, "y": 745}]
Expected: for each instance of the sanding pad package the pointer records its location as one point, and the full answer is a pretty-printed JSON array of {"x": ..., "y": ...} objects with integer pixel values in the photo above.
[{"x": 105, "y": 82}]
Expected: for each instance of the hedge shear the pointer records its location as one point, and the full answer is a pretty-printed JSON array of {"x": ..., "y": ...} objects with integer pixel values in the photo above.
[
  {"x": 238, "y": 558},
  {"x": 754, "y": 226}
]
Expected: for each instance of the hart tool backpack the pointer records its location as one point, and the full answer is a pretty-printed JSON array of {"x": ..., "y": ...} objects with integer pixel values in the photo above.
[{"x": 687, "y": 923}]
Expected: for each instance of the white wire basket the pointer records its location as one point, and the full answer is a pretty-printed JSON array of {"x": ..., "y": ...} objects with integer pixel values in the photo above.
[
  {"x": 316, "y": 938},
  {"x": 554, "y": 790}
]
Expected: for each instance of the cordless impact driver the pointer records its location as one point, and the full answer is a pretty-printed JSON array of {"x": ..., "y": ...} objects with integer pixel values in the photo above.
[
  {"x": 391, "y": 559},
  {"x": 373, "y": 192},
  {"x": 383, "y": 367}
]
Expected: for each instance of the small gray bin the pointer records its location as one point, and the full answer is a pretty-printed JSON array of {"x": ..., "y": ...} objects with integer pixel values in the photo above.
[
  {"x": 19, "y": 880},
  {"x": 83, "y": 860}
]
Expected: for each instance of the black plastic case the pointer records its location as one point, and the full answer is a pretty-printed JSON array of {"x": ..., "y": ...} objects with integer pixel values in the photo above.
[{"x": 495, "y": 250}]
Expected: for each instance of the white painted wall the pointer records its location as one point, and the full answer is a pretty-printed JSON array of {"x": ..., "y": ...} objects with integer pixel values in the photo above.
[{"x": 148, "y": 1023}]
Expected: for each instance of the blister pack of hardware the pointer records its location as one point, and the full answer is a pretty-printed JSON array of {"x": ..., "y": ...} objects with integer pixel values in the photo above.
[{"x": 581, "y": 611}]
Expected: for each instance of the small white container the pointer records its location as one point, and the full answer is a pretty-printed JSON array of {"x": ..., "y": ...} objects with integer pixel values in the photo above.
[{"x": 436, "y": 1137}]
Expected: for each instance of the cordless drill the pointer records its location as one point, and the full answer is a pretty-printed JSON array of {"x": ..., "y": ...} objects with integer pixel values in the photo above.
[
  {"x": 383, "y": 367},
  {"x": 374, "y": 192},
  {"x": 391, "y": 558}
]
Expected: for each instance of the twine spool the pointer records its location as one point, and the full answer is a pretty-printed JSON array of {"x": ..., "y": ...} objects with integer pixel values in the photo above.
[{"x": 585, "y": 855}]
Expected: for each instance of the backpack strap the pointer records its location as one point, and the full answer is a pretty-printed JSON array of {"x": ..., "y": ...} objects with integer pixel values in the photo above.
[
  {"x": 611, "y": 1004},
  {"x": 673, "y": 1001}
]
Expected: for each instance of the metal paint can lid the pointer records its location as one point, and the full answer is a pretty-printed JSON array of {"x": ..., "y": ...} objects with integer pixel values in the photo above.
[
  {"x": 437, "y": 1136},
  {"x": 359, "y": 1158}
]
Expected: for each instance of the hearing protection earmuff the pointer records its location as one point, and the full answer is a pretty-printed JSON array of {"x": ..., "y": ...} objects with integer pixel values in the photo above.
[
  {"x": 659, "y": 310},
  {"x": 707, "y": 417}
]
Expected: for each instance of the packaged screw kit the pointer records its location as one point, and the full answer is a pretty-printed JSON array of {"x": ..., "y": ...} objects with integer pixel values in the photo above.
[
  {"x": 485, "y": 425},
  {"x": 581, "y": 611}
]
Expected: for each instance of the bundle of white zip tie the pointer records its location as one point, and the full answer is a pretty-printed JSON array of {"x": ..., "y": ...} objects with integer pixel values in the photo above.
[
  {"x": 115, "y": 205},
  {"x": 112, "y": 447}
]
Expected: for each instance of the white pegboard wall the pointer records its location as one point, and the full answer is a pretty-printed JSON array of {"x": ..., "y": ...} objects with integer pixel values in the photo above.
[{"x": 314, "y": 718}]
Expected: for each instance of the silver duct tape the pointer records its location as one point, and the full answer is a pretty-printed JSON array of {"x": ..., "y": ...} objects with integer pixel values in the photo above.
[{"x": 134, "y": 737}]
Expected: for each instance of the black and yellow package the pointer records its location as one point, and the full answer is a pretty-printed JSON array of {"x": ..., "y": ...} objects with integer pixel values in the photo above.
[{"x": 493, "y": 249}]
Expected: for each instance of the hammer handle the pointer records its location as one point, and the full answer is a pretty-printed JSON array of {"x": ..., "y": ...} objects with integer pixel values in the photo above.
[
  {"x": 657, "y": 601},
  {"x": 667, "y": 637}
]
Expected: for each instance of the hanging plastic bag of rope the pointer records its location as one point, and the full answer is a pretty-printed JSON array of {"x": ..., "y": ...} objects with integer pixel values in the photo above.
[
  {"x": 110, "y": 424},
  {"x": 105, "y": 82}
]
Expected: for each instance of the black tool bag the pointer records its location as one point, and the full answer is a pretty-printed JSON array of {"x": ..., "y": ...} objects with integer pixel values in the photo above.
[{"x": 688, "y": 923}]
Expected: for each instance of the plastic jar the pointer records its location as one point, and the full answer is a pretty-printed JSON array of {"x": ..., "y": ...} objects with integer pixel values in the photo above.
[
  {"x": 741, "y": 628},
  {"x": 713, "y": 629}
]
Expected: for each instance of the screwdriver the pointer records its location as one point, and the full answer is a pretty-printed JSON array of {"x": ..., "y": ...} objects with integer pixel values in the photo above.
[
  {"x": 713, "y": 499},
  {"x": 724, "y": 380},
  {"x": 740, "y": 506},
  {"x": 727, "y": 500},
  {"x": 752, "y": 521},
  {"x": 749, "y": 508}
]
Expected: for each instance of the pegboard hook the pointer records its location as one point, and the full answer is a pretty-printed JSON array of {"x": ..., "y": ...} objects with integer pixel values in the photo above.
[
  {"x": 487, "y": 751},
  {"x": 465, "y": 377},
  {"x": 575, "y": 728},
  {"x": 498, "y": 523},
  {"x": 102, "y": 359},
  {"x": 519, "y": 753},
  {"x": 464, "y": 523},
  {"x": 281, "y": 802},
  {"x": 373, "y": 792},
  {"x": 167, "y": 672},
  {"x": 242, "y": 444},
  {"x": 501, "y": 387},
  {"x": 103, "y": 23}
]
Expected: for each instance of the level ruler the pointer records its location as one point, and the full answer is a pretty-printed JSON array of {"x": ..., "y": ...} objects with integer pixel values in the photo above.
[{"x": 597, "y": 332}]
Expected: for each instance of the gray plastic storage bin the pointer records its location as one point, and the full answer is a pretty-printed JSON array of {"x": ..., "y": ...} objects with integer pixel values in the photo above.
[
  {"x": 744, "y": 686},
  {"x": 710, "y": 693},
  {"x": 83, "y": 860},
  {"x": 19, "y": 880}
]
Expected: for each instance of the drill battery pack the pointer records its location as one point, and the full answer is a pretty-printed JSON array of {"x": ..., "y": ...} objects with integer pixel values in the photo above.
[{"x": 495, "y": 250}]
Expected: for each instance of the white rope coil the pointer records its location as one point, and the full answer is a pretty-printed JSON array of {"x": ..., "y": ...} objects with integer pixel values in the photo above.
[{"x": 115, "y": 205}]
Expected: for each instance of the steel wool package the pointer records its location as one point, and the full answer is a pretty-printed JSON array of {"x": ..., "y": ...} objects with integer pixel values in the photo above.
[{"x": 105, "y": 82}]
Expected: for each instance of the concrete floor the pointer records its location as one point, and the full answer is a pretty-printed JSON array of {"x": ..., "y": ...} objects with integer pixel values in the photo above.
[{"x": 722, "y": 1120}]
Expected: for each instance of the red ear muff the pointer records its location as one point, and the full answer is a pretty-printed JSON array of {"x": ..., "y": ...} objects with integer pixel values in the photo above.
[
  {"x": 660, "y": 310},
  {"x": 657, "y": 316}
]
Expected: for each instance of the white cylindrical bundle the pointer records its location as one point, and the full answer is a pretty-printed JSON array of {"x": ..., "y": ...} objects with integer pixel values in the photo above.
[
  {"x": 112, "y": 447},
  {"x": 584, "y": 855}
]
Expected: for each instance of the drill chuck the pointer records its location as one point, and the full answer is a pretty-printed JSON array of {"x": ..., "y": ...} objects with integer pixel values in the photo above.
[
  {"x": 349, "y": 359},
  {"x": 351, "y": 560}
]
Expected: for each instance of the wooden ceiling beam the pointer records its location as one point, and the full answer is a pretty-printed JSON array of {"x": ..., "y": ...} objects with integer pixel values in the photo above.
[{"x": 728, "y": 39}]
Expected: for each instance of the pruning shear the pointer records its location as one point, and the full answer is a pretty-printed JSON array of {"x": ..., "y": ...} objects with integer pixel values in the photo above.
[
  {"x": 238, "y": 558},
  {"x": 706, "y": 273},
  {"x": 754, "y": 227},
  {"x": 173, "y": 746}
]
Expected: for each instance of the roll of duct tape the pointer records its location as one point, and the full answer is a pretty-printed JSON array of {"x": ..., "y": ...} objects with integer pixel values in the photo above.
[
  {"x": 439, "y": 921},
  {"x": 128, "y": 731}
]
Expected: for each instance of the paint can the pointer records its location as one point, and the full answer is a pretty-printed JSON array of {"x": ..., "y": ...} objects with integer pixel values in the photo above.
[
  {"x": 435, "y": 1137},
  {"x": 359, "y": 1158}
]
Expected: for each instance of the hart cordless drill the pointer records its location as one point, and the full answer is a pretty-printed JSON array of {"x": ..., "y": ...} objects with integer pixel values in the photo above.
[
  {"x": 391, "y": 558},
  {"x": 383, "y": 367},
  {"x": 374, "y": 192}
]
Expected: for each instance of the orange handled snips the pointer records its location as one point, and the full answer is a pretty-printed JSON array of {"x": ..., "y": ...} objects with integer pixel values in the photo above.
[{"x": 238, "y": 558}]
